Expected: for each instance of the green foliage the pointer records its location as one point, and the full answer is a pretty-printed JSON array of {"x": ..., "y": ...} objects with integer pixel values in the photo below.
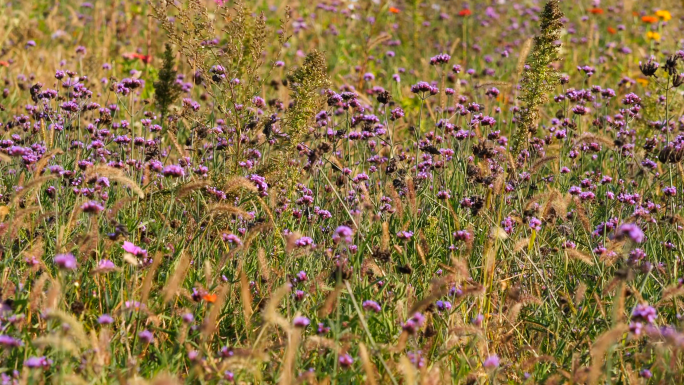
[
  {"x": 304, "y": 83},
  {"x": 538, "y": 77},
  {"x": 166, "y": 90}
]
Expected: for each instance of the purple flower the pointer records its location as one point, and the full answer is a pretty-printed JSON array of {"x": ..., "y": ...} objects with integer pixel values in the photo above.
[
  {"x": 346, "y": 361},
  {"x": 644, "y": 313},
  {"x": 105, "y": 319},
  {"x": 535, "y": 224},
  {"x": 301, "y": 322},
  {"x": 231, "y": 238},
  {"x": 322, "y": 329},
  {"x": 424, "y": 87},
  {"x": 146, "y": 336},
  {"x": 92, "y": 207},
  {"x": 260, "y": 183},
  {"x": 9, "y": 342},
  {"x": 442, "y": 58},
  {"x": 414, "y": 323},
  {"x": 372, "y": 306},
  {"x": 105, "y": 266},
  {"x": 38, "y": 362},
  {"x": 632, "y": 231},
  {"x": 133, "y": 249},
  {"x": 173, "y": 170},
  {"x": 304, "y": 241},
  {"x": 492, "y": 362},
  {"x": 66, "y": 261},
  {"x": 343, "y": 233},
  {"x": 443, "y": 305}
]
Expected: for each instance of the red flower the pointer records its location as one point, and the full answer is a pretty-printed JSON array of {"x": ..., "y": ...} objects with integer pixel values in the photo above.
[
  {"x": 465, "y": 12},
  {"x": 596, "y": 11},
  {"x": 147, "y": 59},
  {"x": 394, "y": 10},
  {"x": 612, "y": 30}
]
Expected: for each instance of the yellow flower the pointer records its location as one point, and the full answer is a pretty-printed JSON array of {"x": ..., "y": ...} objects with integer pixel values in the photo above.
[
  {"x": 663, "y": 14},
  {"x": 642, "y": 81},
  {"x": 650, "y": 35}
]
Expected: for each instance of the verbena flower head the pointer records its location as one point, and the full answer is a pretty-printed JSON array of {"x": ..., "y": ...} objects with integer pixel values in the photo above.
[
  {"x": 440, "y": 59},
  {"x": 372, "y": 306},
  {"x": 492, "y": 362},
  {"x": 644, "y": 313},
  {"x": 131, "y": 248},
  {"x": 343, "y": 234},
  {"x": 105, "y": 319},
  {"x": 632, "y": 231},
  {"x": 66, "y": 261},
  {"x": 146, "y": 336},
  {"x": 38, "y": 362},
  {"x": 173, "y": 170},
  {"x": 346, "y": 361},
  {"x": 301, "y": 322},
  {"x": 650, "y": 67},
  {"x": 424, "y": 88}
]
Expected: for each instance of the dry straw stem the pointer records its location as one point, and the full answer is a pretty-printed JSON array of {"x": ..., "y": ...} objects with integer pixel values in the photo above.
[
  {"x": 264, "y": 268},
  {"x": 287, "y": 373},
  {"x": 189, "y": 187},
  {"x": 35, "y": 182},
  {"x": 176, "y": 280},
  {"x": 317, "y": 342},
  {"x": 270, "y": 313},
  {"x": 411, "y": 195},
  {"x": 368, "y": 366},
  {"x": 437, "y": 292},
  {"x": 541, "y": 162},
  {"x": 211, "y": 321},
  {"x": 239, "y": 182},
  {"x": 75, "y": 328},
  {"x": 580, "y": 292},
  {"x": 600, "y": 347},
  {"x": 147, "y": 284},
  {"x": 220, "y": 208},
  {"x": 45, "y": 159},
  {"x": 246, "y": 297},
  {"x": 582, "y": 215},
  {"x": 130, "y": 183},
  {"x": 408, "y": 370},
  {"x": 57, "y": 343},
  {"x": 579, "y": 256},
  {"x": 669, "y": 294},
  {"x": 385, "y": 240},
  {"x": 329, "y": 302},
  {"x": 589, "y": 137}
]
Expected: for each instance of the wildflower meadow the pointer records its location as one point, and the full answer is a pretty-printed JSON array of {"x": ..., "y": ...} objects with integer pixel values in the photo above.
[{"x": 341, "y": 192}]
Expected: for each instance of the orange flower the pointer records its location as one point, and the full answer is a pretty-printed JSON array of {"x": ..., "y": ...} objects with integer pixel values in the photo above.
[
  {"x": 143, "y": 58},
  {"x": 4, "y": 63},
  {"x": 596, "y": 11},
  {"x": 465, "y": 12},
  {"x": 612, "y": 30},
  {"x": 211, "y": 298},
  {"x": 649, "y": 19},
  {"x": 394, "y": 10}
]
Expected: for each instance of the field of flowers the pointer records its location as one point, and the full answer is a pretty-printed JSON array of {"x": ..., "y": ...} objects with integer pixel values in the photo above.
[{"x": 348, "y": 191}]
